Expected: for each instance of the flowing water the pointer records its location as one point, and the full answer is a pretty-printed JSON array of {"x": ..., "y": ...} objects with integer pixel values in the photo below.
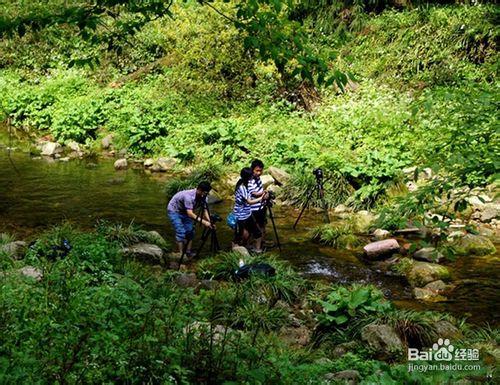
[{"x": 36, "y": 194}]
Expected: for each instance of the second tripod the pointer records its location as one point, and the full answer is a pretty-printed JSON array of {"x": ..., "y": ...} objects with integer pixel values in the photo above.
[{"x": 319, "y": 189}]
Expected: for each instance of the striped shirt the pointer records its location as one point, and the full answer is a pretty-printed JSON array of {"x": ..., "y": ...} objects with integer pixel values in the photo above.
[
  {"x": 255, "y": 186},
  {"x": 241, "y": 207}
]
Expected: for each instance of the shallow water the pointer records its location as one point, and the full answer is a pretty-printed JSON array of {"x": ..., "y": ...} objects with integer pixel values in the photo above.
[{"x": 38, "y": 193}]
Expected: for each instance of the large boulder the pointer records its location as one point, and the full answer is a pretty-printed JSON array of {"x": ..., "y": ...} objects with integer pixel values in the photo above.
[
  {"x": 383, "y": 341},
  {"x": 218, "y": 333},
  {"x": 187, "y": 280},
  {"x": 473, "y": 244},
  {"x": 51, "y": 149},
  {"x": 344, "y": 348},
  {"x": 121, "y": 164},
  {"x": 279, "y": 175},
  {"x": 241, "y": 250},
  {"x": 427, "y": 295},
  {"x": 213, "y": 197},
  {"x": 107, "y": 141},
  {"x": 157, "y": 238},
  {"x": 381, "y": 234},
  {"x": 381, "y": 249},
  {"x": 15, "y": 249},
  {"x": 350, "y": 377},
  {"x": 428, "y": 254},
  {"x": 32, "y": 272},
  {"x": 267, "y": 180},
  {"x": 300, "y": 336},
  {"x": 149, "y": 162},
  {"x": 164, "y": 164},
  {"x": 74, "y": 146},
  {"x": 489, "y": 212},
  {"x": 145, "y": 251},
  {"x": 446, "y": 330},
  {"x": 420, "y": 274}
]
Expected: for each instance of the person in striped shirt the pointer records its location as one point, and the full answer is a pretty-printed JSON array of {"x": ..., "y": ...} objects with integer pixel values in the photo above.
[
  {"x": 256, "y": 190},
  {"x": 242, "y": 211}
]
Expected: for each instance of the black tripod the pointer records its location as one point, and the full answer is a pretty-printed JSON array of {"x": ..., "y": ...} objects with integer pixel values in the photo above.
[
  {"x": 267, "y": 204},
  {"x": 207, "y": 232},
  {"x": 318, "y": 173}
]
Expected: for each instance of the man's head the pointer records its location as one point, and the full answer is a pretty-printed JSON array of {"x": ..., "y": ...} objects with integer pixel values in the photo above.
[
  {"x": 203, "y": 189},
  {"x": 257, "y": 167}
]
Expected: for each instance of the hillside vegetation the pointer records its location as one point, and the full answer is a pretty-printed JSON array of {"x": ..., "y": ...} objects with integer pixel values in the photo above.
[{"x": 423, "y": 92}]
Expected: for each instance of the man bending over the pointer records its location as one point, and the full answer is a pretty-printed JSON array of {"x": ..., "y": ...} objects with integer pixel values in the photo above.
[{"x": 180, "y": 211}]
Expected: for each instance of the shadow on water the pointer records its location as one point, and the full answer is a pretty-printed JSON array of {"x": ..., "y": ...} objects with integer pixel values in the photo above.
[{"x": 46, "y": 192}]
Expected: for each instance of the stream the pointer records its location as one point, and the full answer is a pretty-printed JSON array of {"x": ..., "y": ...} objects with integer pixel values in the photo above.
[{"x": 37, "y": 193}]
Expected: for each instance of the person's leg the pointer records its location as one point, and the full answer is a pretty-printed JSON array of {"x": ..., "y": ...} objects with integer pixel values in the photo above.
[
  {"x": 189, "y": 229},
  {"x": 242, "y": 235},
  {"x": 180, "y": 233},
  {"x": 254, "y": 229}
]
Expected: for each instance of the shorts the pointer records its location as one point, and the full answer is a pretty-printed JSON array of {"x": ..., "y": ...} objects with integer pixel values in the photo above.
[
  {"x": 250, "y": 225},
  {"x": 183, "y": 226},
  {"x": 260, "y": 217}
]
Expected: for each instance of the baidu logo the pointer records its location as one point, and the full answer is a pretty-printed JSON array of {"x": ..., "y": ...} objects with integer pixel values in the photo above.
[{"x": 443, "y": 350}]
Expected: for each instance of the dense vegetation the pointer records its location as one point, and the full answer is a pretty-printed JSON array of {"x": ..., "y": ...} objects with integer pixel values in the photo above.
[
  {"x": 96, "y": 316},
  {"x": 187, "y": 87}
]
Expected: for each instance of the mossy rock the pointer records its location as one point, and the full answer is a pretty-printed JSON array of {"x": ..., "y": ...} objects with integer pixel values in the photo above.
[
  {"x": 422, "y": 273},
  {"x": 473, "y": 244},
  {"x": 403, "y": 266}
]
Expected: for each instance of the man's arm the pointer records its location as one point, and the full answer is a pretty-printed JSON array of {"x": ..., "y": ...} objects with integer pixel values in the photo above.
[{"x": 197, "y": 218}]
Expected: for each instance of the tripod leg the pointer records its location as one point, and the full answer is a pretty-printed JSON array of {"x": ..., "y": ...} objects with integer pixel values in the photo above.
[
  {"x": 204, "y": 236},
  {"x": 271, "y": 216},
  {"x": 306, "y": 203},
  {"x": 321, "y": 194}
]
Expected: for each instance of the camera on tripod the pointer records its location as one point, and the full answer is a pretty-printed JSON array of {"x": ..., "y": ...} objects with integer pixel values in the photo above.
[
  {"x": 215, "y": 218},
  {"x": 318, "y": 173}
]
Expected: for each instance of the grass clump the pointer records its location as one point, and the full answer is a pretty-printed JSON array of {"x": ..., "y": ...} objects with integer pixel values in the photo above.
[
  {"x": 341, "y": 236},
  {"x": 209, "y": 172}
]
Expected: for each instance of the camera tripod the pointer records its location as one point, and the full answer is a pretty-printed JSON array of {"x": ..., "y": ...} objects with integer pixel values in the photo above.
[
  {"x": 207, "y": 232},
  {"x": 318, "y": 173},
  {"x": 268, "y": 205}
]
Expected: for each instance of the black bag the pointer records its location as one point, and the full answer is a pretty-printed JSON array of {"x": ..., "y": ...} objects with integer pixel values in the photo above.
[{"x": 255, "y": 268}]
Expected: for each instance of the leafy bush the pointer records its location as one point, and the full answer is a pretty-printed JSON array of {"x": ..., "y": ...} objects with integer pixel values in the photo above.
[
  {"x": 78, "y": 119},
  {"x": 356, "y": 302}
]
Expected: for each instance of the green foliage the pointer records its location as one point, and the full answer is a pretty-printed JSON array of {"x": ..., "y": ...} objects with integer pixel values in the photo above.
[
  {"x": 209, "y": 172},
  {"x": 347, "y": 304},
  {"x": 390, "y": 219},
  {"x": 462, "y": 48},
  {"x": 296, "y": 191},
  {"x": 338, "y": 236},
  {"x": 229, "y": 138}
]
